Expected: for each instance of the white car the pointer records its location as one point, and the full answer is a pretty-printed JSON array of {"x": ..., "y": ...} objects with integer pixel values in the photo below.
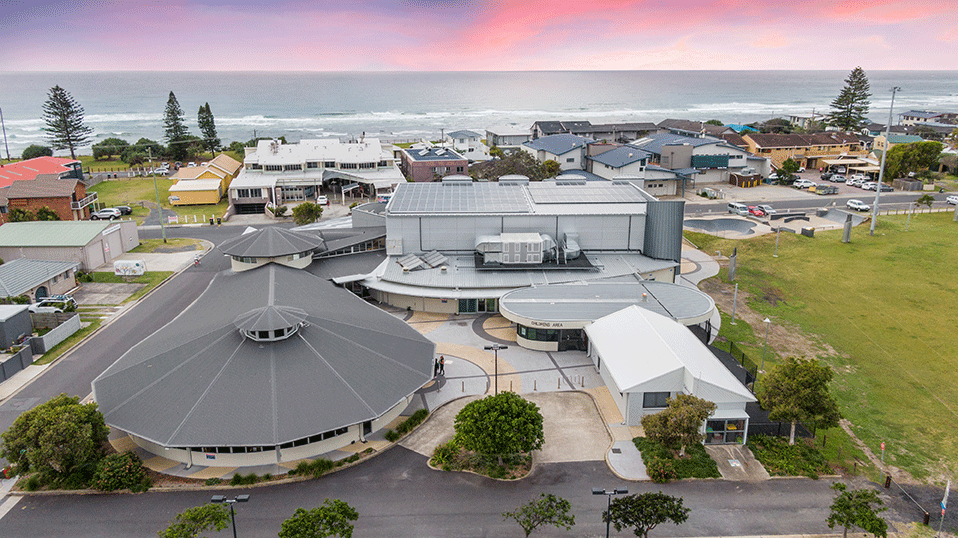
[
  {"x": 107, "y": 213},
  {"x": 869, "y": 185},
  {"x": 804, "y": 184},
  {"x": 766, "y": 208},
  {"x": 953, "y": 199},
  {"x": 853, "y": 182},
  {"x": 322, "y": 200},
  {"x": 857, "y": 205},
  {"x": 52, "y": 305}
]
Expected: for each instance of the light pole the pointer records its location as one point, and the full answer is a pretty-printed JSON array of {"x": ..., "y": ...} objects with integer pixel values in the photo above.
[
  {"x": 156, "y": 189},
  {"x": 609, "y": 493},
  {"x": 219, "y": 499},
  {"x": 764, "y": 351},
  {"x": 495, "y": 349},
  {"x": 884, "y": 154}
]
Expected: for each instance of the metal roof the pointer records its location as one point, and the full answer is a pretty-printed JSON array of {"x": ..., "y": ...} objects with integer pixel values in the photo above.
[
  {"x": 23, "y": 274},
  {"x": 587, "y": 193},
  {"x": 271, "y": 242},
  {"x": 199, "y": 382},
  {"x": 558, "y": 144},
  {"x": 654, "y": 143},
  {"x": 588, "y": 301},
  {"x": 458, "y": 197},
  {"x": 433, "y": 154},
  {"x": 70, "y": 233},
  {"x": 621, "y": 156},
  {"x": 465, "y": 133}
]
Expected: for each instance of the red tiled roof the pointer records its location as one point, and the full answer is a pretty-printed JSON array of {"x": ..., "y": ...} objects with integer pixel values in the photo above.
[{"x": 31, "y": 168}]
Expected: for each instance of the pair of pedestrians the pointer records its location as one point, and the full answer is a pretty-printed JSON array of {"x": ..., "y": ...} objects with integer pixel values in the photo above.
[{"x": 439, "y": 368}]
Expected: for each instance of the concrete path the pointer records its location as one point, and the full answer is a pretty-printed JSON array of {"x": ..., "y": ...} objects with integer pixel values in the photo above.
[{"x": 736, "y": 462}]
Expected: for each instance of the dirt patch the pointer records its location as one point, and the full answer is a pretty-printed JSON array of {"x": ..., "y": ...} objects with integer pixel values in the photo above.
[{"x": 784, "y": 339}]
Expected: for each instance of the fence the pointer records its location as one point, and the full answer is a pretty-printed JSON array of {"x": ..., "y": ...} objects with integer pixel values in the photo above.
[
  {"x": 15, "y": 363},
  {"x": 61, "y": 332},
  {"x": 751, "y": 369}
]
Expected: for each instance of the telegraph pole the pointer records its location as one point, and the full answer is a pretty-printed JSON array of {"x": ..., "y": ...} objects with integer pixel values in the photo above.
[{"x": 884, "y": 154}]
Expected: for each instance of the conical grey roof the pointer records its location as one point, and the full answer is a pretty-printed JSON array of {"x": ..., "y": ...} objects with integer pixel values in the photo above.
[
  {"x": 270, "y": 318},
  {"x": 271, "y": 242}
]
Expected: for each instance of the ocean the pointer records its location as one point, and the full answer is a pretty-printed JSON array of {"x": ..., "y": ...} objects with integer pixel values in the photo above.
[{"x": 410, "y": 105}]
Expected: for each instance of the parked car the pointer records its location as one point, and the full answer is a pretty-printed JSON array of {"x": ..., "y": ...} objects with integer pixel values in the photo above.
[
  {"x": 125, "y": 209},
  {"x": 857, "y": 205},
  {"x": 162, "y": 171},
  {"x": 825, "y": 189},
  {"x": 53, "y": 304},
  {"x": 804, "y": 184},
  {"x": 801, "y": 168},
  {"x": 191, "y": 165},
  {"x": 756, "y": 211},
  {"x": 107, "y": 213},
  {"x": 869, "y": 185},
  {"x": 953, "y": 199},
  {"x": 837, "y": 178},
  {"x": 853, "y": 182},
  {"x": 826, "y": 176},
  {"x": 736, "y": 208},
  {"x": 766, "y": 208},
  {"x": 886, "y": 188},
  {"x": 840, "y": 170},
  {"x": 859, "y": 177},
  {"x": 322, "y": 199}
]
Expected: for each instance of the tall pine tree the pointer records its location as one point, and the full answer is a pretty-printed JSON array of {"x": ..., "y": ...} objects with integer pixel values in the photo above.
[
  {"x": 64, "y": 119},
  {"x": 204, "y": 118},
  {"x": 176, "y": 133},
  {"x": 851, "y": 106}
]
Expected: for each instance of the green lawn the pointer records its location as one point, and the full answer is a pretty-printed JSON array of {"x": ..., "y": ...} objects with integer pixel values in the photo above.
[
  {"x": 157, "y": 245},
  {"x": 887, "y": 305},
  {"x": 152, "y": 279}
]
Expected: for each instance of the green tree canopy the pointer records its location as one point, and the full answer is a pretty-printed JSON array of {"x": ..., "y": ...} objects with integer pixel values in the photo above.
[
  {"x": 714, "y": 122},
  {"x": 517, "y": 162},
  {"x": 786, "y": 172},
  {"x": 680, "y": 423},
  {"x": 644, "y": 512},
  {"x": 777, "y": 125},
  {"x": 57, "y": 438},
  {"x": 199, "y": 519},
  {"x": 63, "y": 117},
  {"x": 333, "y": 518},
  {"x": 33, "y": 151},
  {"x": 18, "y": 214},
  {"x": 546, "y": 510},
  {"x": 851, "y": 106},
  {"x": 306, "y": 213},
  {"x": 797, "y": 390},
  {"x": 915, "y": 157},
  {"x": 174, "y": 128},
  {"x": 109, "y": 147},
  {"x": 550, "y": 168},
  {"x": 500, "y": 425},
  {"x": 207, "y": 125},
  {"x": 859, "y": 508},
  {"x": 45, "y": 213}
]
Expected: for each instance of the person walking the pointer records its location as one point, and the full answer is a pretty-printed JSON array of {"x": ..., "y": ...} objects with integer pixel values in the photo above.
[
  {"x": 435, "y": 368},
  {"x": 442, "y": 365}
]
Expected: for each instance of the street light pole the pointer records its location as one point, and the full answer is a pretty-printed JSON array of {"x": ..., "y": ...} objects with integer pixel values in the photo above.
[
  {"x": 495, "y": 349},
  {"x": 222, "y": 499},
  {"x": 608, "y": 510},
  {"x": 884, "y": 154},
  {"x": 159, "y": 208}
]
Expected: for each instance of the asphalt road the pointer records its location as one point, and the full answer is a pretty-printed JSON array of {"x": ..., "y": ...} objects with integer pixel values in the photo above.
[
  {"x": 396, "y": 495},
  {"x": 810, "y": 202}
]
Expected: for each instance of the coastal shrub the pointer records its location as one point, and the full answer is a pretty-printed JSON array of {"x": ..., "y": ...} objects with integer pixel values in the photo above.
[
  {"x": 783, "y": 459},
  {"x": 321, "y": 467},
  {"x": 445, "y": 454},
  {"x": 244, "y": 480},
  {"x": 696, "y": 463},
  {"x": 213, "y": 481},
  {"x": 316, "y": 468},
  {"x": 32, "y": 483},
  {"x": 661, "y": 471},
  {"x": 352, "y": 459},
  {"x": 414, "y": 420},
  {"x": 392, "y": 436},
  {"x": 121, "y": 471}
]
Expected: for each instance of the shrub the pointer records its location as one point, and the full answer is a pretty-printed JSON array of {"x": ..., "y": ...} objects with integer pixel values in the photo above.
[
  {"x": 240, "y": 480},
  {"x": 445, "y": 454},
  {"x": 321, "y": 467},
  {"x": 315, "y": 468},
  {"x": 84, "y": 277},
  {"x": 696, "y": 463},
  {"x": 213, "y": 481},
  {"x": 353, "y": 458},
  {"x": 392, "y": 436},
  {"x": 661, "y": 470},
  {"x": 32, "y": 483},
  {"x": 783, "y": 459},
  {"x": 121, "y": 471},
  {"x": 414, "y": 420}
]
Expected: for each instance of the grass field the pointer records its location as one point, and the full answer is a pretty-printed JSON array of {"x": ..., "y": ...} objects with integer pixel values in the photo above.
[{"x": 887, "y": 305}]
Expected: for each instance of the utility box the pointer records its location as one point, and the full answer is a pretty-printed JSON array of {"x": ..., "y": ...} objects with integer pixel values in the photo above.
[
  {"x": 129, "y": 267},
  {"x": 808, "y": 231}
]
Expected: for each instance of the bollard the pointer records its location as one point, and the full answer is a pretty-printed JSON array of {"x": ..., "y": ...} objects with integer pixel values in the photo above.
[
  {"x": 583, "y": 382},
  {"x": 510, "y": 385},
  {"x": 534, "y": 382},
  {"x": 558, "y": 383},
  {"x": 219, "y": 221},
  {"x": 464, "y": 386},
  {"x": 887, "y": 481},
  {"x": 927, "y": 518}
]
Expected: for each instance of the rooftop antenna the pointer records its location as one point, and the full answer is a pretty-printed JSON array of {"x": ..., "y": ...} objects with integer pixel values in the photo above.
[{"x": 4, "y": 135}]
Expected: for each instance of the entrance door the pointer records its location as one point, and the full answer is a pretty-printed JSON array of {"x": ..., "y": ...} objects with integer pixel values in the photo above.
[
  {"x": 367, "y": 428},
  {"x": 41, "y": 293}
]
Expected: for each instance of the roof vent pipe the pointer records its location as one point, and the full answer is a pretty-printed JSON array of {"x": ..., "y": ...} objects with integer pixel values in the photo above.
[{"x": 645, "y": 297}]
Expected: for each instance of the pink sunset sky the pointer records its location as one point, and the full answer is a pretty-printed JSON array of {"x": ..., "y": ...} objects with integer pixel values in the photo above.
[{"x": 468, "y": 35}]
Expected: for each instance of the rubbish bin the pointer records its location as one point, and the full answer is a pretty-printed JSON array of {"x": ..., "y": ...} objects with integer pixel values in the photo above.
[
  {"x": 808, "y": 231},
  {"x": 211, "y": 221},
  {"x": 821, "y": 212},
  {"x": 219, "y": 220}
]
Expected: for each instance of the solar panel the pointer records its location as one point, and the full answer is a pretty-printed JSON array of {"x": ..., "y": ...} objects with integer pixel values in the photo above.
[
  {"x": 435, "y": 259},
  {"x": 409, "y": 262}
]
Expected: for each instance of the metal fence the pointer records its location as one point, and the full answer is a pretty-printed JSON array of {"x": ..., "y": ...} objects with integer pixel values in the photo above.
[{"x": 751, "y": 369}]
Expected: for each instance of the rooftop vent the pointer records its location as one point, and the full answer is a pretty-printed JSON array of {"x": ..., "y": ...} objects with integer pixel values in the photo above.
[{"x": 270, "y": 323}]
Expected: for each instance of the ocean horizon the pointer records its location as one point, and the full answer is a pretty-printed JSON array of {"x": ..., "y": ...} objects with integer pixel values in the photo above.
[{"x": 411, "y": 104}]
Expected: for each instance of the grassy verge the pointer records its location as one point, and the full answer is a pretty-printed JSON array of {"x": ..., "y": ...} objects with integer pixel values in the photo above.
[
  {"x": 151, "y": 278},
  {"x": 133, "y": 191},
  {"x": 662, "y": 465},
  {"x": 61, "y": 348},
  {"x": 783, "y": 459},
  {"x": 157, "y": 245},
  {"x": 884, "y": 304}
]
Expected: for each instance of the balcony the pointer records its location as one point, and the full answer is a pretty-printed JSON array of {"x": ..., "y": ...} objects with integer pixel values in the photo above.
[{"x": 76, "y": 206}]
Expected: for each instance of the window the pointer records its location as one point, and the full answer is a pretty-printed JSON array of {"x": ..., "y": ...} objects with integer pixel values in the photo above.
[
  {"x": 273, "y": 168},
  {"x": 248, "y": 193},
  {"x": 655, "y": 400},
  {"x": 312, "y": 165},
  {"x": 348, "y": 166},
  {"x": 570, "y": 160},
  {"x": 292, "y": 167},
  {"x": 329, "y": 164},
  {"x": 367, "y": 166}
]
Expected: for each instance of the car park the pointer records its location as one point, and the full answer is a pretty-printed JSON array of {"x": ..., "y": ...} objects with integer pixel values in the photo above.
[
  {"x": 755, "y": 211},
  {"x": 857, "y": 205},
  {"x": 107, "y": 213},
  {"x": 804, "y": 184},
  {"x": 53, "y": 304},
  {"x": 953, "y": 199}
]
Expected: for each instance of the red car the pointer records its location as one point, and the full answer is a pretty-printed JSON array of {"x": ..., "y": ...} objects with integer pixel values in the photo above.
[{"x": 757, "y": 211}]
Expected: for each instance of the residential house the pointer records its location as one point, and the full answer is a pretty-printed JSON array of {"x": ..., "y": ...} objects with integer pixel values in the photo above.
[
  {"x": 611, "y": 162},
  {"x": 622, "y": 132},
  {"x": 67, "y": 197},
  {"x": 540, "y": 129},
  {"x": 31, "y": 168},
  {"x": 917, "y": 117},
  {"x": 568, "y": 150},
  {"x": 468, "y": 144},
  {"x": 204, "y": 184},
  {"x": 89, "y": 243},
  {"x": 692, "y": 128},
  {"x": 709, "y": 159},
  {"x": 37, "y": 279},
  {"x": 808, "y": 150},
  {"x": 881, "y": 143},
  {"x": 431, "y": 164},
  {"x": 506, "y": 138}
]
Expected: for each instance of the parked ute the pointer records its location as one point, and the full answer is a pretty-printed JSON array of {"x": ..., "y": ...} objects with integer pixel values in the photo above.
[{"x": 857, "y": 205}]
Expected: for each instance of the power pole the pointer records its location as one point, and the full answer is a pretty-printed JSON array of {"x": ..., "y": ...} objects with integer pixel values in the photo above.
[
  {"x": 884, "y": 154},
  {"x": 159, "y": 208},
  {"x": 4, "y": 135}
]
